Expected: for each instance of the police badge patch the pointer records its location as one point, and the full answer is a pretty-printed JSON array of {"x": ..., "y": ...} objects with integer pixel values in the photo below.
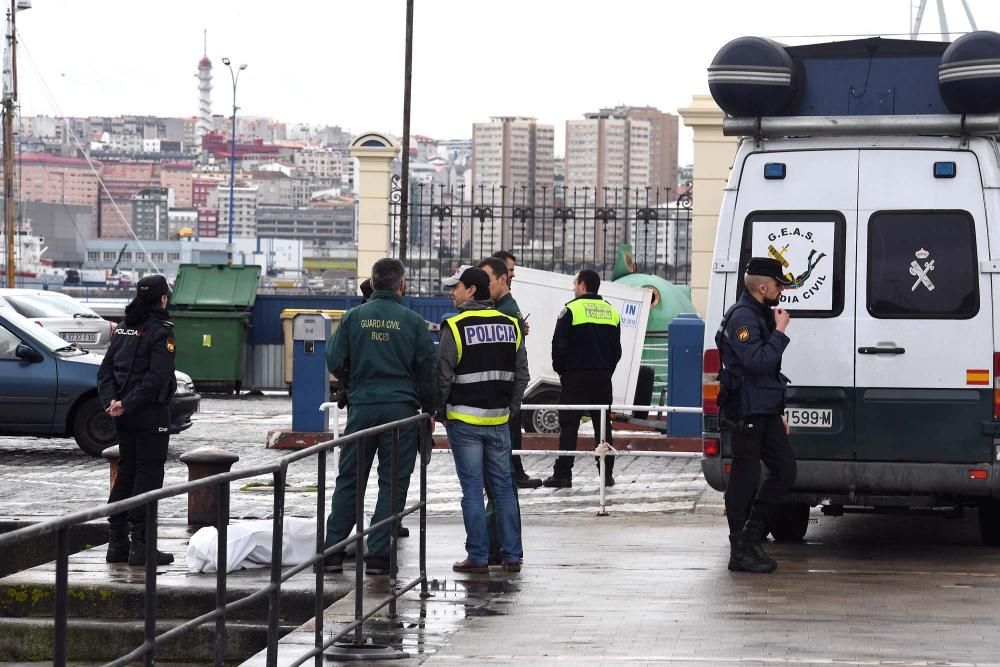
[
  {"x": 170, "y": 345},
  {"x": 743, "y": 333}
]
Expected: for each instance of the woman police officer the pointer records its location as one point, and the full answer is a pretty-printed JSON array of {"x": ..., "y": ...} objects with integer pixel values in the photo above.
[{"x": 135, "y": 383}]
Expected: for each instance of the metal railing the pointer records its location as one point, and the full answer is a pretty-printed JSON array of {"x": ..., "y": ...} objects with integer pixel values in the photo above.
[
  {"x": 603, "y": 448},
  {"x": 147, "y": 651},
  {"x": 550, "y": 228}
]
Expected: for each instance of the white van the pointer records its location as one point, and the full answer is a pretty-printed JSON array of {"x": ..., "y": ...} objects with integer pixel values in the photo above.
[{"x": 889, "y": 226}]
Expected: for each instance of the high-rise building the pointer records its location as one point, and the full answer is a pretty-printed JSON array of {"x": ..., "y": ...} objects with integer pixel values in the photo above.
[
  {"x": 150, "y": 213},
  {"x": 244, "y": 210},
  {"x": 607, "y": 152},
  {"x": 662, "y": 144},
  {"x": 607, "y": 165},
  {"x": 512, "y": 164}
]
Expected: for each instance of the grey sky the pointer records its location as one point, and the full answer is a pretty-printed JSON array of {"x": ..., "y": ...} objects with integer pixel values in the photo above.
[{"x": 341, "y": 62}]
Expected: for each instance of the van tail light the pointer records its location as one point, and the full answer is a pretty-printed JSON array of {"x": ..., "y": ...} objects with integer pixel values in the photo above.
[
  {"x": 710, "y": 447},
  {"x": 996, "y": 385},
  {"x": 979, "y": 474},
  {"x": 711, "y": 365}
]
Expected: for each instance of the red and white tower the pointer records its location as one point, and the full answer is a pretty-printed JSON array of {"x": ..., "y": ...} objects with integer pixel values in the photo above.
[{"x": 204, "y": 124}]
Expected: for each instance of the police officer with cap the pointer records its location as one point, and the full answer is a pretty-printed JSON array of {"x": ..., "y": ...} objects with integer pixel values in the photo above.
[
  {"x": 135, "y": 382},
  {"x": 751, "y": 341}
]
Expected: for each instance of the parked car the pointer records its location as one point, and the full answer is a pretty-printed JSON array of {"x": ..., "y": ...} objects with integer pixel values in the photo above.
[
  {"x": 63, "y": 315},
  {"x": 48, "y": 388}
]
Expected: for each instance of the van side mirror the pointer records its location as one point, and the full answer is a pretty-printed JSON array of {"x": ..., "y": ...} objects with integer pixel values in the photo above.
[{"x": 27, "y": 353}]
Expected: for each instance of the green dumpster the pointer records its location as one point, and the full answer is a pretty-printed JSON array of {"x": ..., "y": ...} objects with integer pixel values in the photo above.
[{"x": 210, "y": 308}]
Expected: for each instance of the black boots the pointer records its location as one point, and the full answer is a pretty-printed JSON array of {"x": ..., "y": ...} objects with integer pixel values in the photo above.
[
  {"x": 745, "y": 551},
  {"x": 118, "y": 544},
  {"x": 137, "y": 554}
]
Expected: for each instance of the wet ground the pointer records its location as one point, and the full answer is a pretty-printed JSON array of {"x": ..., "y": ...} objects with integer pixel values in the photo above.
[
  {"x": 654, "y": 589},
  {"x": 646, "y": 585}
]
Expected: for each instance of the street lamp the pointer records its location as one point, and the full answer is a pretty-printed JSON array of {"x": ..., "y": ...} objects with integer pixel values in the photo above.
[{"x": 235, "y": 76}]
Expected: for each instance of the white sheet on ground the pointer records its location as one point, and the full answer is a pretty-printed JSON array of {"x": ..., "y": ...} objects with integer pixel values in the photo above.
[{"x": 248, "y": 545}]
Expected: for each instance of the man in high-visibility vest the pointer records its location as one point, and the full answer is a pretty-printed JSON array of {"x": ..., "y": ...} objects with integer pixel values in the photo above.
[
  {"x": 482, "y": 375},
  {"x": 586, "y": 347}
]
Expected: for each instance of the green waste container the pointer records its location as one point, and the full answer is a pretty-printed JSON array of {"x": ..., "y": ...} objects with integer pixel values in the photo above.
[{"x": 210, "y": 309}]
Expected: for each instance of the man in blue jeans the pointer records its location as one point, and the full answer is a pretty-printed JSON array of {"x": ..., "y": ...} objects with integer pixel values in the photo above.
[{"x": 482, "y": 375}]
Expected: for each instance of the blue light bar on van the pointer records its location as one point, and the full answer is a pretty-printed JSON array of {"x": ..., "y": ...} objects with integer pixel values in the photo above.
[
  {"x": 775, "y": 171},
  {"x": 945, "y": 170}
]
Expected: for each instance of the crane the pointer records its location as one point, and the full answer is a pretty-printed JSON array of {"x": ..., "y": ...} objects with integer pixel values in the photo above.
[{"x": 942, "y": 18}]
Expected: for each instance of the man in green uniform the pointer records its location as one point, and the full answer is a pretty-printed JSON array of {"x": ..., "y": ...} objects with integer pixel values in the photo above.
[{"x": 385, "y": 354}]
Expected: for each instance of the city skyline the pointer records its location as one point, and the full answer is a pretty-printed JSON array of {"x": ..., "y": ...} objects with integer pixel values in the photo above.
[{"x": 648, "y": 53}]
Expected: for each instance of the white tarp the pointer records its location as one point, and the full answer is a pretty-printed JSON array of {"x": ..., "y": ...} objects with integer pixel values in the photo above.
[{"x": 248, "y": 545}]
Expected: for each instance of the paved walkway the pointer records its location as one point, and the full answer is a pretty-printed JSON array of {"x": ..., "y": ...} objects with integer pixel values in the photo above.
[
  {"x": 648, "y": 589},
  {"x": 41, "y": 478}
]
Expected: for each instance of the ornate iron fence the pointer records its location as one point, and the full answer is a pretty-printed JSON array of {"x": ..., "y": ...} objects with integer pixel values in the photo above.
[{"x": 555, "y": 229}]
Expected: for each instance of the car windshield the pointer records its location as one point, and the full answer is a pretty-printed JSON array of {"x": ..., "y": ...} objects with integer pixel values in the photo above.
[
  {"x": 34, "y": 335},
  {"x": 55, "y": 305}
]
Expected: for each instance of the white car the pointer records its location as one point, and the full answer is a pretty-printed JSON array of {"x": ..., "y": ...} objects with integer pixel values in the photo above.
[{"x": 63, "y": 315}]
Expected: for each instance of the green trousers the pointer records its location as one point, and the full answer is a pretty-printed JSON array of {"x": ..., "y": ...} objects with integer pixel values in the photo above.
[
  {"x": 342, "y": 509},
  {"x": 514, "y": 424}
]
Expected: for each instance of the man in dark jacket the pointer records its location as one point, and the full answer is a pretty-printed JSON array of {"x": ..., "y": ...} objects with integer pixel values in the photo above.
[
  {"x": 384, "y": 352},
  {"x": 586, "y": 348},
  {"x": 135, "y": 383},
  {"x": 751, "y": 341}
]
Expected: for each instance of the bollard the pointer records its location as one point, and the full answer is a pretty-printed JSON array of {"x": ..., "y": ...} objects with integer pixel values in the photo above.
[
  {"x": 686, "y": 336},
  {"x": 203, "y": 503},
  {"x": 113, "y": 456}
]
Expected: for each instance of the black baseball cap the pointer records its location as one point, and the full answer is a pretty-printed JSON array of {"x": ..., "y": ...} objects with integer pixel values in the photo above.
[
  {"x": 767, "y": 267},
  {"x": 154, "y": 285}
]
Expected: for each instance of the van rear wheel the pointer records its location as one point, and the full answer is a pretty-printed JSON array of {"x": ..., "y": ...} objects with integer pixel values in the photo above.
[
  {"x": 989, "y": 522},
  {"x": 790, "y": 522}
]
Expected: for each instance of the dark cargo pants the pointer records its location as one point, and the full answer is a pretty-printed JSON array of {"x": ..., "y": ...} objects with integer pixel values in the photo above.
[{"x": 342, "y": 510}]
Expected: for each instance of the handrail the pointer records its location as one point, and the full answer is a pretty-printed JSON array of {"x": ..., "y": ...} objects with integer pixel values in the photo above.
[{"x": 61, "y": 525}]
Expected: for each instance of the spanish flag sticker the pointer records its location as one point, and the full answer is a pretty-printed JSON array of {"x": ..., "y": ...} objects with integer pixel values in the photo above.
[{"x": 977, "y": 376}]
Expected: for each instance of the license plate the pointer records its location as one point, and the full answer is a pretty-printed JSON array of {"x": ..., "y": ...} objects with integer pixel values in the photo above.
[
  {"x": 78, "y": 336},
  {"x": 809, "y": 418}
]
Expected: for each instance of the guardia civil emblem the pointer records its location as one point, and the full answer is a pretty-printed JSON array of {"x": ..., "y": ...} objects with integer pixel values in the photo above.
[
  {"x": 921, "y": 271},
  {"x": 743, "y": 334}
]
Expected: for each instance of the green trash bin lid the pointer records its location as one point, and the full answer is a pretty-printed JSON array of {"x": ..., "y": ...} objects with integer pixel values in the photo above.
[{"x": 216, "y": 286}]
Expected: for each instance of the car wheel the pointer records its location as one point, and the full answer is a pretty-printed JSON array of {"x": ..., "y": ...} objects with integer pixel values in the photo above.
[
  {"x": 542, "y": 421},
  {"x": 93, "y": 430},
  {"x": 989, "y": 522},
  {"x": 790, "y": 522}
]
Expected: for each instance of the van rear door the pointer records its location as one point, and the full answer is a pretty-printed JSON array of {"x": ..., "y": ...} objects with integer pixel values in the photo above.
[
  {"x": 801, "y": 208},
  {"x": 924, "y": 314}
]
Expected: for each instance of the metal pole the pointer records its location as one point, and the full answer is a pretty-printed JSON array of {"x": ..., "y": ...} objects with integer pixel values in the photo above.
[
  {"x": 602, "y": 446},
  {"x": 394, "y": 526},
  {"x": 151, "y": 534},
  {"x": 277, "y": 538},
  {"x": 8, "y": 147},
  {"x": 221, "y": 572},
  {"x": 320, "y": 543},
  {"x": 232, "y": 171},
  {"x": 404, "y": 179},
  {"x": 62, "y": 584},
  {"x": 359, "y": 541},
  {"x": 425, "y": 446}
]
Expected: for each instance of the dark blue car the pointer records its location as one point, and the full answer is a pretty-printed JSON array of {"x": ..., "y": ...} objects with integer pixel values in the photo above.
[{"x": 48, "y": 388}]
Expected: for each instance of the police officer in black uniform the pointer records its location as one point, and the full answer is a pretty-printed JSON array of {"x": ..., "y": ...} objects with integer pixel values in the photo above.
[
  {"x": 751, "y": 341},
  {"x": 586, "y": 348},
  {"x": 135, "y": 383}
]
